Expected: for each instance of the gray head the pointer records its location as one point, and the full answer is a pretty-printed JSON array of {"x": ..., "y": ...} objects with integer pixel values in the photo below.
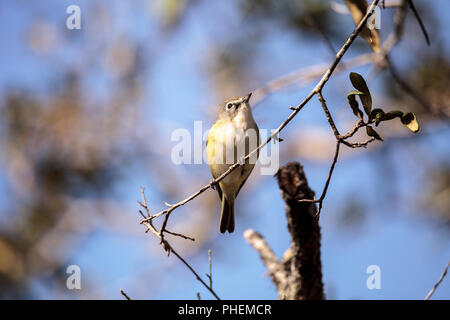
[{"x": 230, "y": 107}]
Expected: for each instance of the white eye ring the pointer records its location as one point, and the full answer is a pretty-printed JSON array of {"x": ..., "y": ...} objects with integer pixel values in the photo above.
[{"x": 229, "y": 105}]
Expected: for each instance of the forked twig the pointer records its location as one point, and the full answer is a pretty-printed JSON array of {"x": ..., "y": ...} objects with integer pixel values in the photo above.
[{"x": 169, "y": 249}]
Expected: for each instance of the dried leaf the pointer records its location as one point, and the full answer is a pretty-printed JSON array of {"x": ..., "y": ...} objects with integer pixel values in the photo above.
[
  {"x": 354, "y": 104},
  {"x": 410, "y": 121},
  {"x": 372, "y": 133},
  {"x": 360, "y": 84},
  {"x": 377, "y": 115},
  {"x": 392, "y": 114}
]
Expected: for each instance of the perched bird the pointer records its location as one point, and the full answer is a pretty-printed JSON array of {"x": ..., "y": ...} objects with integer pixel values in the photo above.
[{"x": 233, "y": 136}]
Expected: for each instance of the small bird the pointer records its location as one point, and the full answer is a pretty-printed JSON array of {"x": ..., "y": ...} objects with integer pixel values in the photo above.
[{"x": 233, "y": 136}]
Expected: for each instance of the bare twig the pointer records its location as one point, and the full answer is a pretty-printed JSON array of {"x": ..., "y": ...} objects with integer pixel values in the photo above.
[
  {"x": 380, "y": 59},
  {"x": 169, "y": 249},
  {"x": 210, "y": 268},
  {"x": 179, "y": 235},
  {"x": 144, "y": 205},
  {"x": 355, "y": 129},
  {"x": 359, "y": 144},
  {"x": 125, "y": 295},
  {"x": 328, "y": 115},
  {"x": 438, "y": 283},
  {"x": 419, "y": 20},
  {"x": 195, "y": 273},
  {"x": 384, "y": 60},
  {"x": 327, "y": 183}
]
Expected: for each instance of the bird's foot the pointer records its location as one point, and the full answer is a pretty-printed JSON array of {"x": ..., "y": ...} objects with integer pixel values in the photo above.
[
  {"x": 213, "y": 184},
  {"x": 241, "y": 161}
]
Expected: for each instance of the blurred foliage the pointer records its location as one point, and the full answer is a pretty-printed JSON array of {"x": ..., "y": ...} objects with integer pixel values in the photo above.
[
  {"x": 437, "y": 195},
  {"x": 61, "y": 155},
  {"x": 430, "y": 77},
  {"x": 305, "y": 18},
  {"x": 358, "y": 9},
  {"x": 310, "y": 20},
  {"x": 352, "y": 214},
  {"x": 55, "y": 151}
]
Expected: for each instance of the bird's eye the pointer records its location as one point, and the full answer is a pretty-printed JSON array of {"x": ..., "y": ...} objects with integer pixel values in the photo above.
[{"x": 229, "y": 106}]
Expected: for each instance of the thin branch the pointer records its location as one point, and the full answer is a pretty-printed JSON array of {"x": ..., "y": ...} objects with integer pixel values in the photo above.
[
  {"x": 328, "y": 115},
  {"x": 144, "y": 205},
  {"x": 125, "y": 295},
  {"x": 359, "y": 144},
  {"x": 194, "y": 272},
  {"x": 419, "y": 20},
  {"x": 437, "y": 283},
  {"x": 210, "y": 268},
  {"x": 168, "y": 248},
  {"x": 179, "y": 235},
  {"x": 339, "y": 138},
  {"x": 327, "y": 183},
  {"x": 355, "y": 129}
]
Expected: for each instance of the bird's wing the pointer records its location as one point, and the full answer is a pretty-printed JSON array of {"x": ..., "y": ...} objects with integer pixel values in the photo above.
[
  {"x": 249, "y": 167},
  {"x": 209, "y": 154},
  {"x": 245, "y": 172}
]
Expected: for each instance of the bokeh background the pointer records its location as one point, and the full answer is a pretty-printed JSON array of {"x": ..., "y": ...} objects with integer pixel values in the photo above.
[{"x": 86, "y": 118}]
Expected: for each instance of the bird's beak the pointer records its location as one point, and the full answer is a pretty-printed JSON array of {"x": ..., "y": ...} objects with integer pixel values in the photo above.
[{"x": 247, "y": 98}]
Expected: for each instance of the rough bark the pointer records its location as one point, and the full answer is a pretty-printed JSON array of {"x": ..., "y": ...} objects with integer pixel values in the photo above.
[
  {"x": 298, "y": 276},
  {"x": 302, "y": 262}
]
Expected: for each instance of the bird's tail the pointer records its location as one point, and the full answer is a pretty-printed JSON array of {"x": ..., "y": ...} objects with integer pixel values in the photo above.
[{"x": 227, "y": 215}]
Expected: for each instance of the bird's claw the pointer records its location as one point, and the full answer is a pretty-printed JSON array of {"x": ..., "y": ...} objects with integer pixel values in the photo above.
[
  {"x": 213, "y": 184},
  {"x": 241, "y": 161}
]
